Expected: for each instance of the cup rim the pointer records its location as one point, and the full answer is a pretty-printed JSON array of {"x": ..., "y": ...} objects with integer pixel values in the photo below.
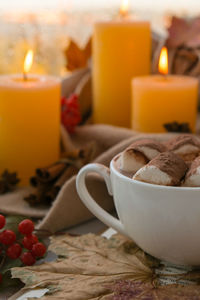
[{"x": 145, "y": 184}]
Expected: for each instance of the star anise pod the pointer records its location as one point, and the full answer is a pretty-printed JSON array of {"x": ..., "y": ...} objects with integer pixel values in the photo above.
[
  {"x": 177, "y": 127},
  {"x": 48, "y": 181},
  {"x": 8, "y": 181}
]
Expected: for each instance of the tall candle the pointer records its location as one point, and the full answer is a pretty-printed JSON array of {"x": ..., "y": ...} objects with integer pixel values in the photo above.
[
  {"x": 121, "y": 50},
  {"x": 29, "y": 123},
  {"x": 158, "y": 100}
]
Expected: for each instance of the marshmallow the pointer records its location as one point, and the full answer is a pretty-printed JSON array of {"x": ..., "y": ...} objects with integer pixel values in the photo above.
[
  {"x": 139, "y": 154},
  {"x": 165, "y": 169},
  {"x": 192, "y": 177},
  {"x": 186, "y": 146}
]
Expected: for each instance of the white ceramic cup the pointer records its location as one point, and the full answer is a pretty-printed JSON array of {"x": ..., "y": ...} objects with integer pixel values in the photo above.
[{"x": 164, "y": 221}]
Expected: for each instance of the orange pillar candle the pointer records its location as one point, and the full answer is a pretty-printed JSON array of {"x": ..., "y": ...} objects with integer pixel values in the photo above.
[
  {"x": 121, "y": 50},
  {"x": 29, "y": 123},
  {"x": 163, "y": 99}
]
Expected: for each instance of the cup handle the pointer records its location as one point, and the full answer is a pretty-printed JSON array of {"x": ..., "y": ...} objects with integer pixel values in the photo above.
[{"x": 90, "y": 203}]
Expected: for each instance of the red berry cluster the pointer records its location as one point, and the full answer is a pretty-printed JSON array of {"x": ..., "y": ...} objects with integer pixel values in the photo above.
[
  {"x": 13, "y": 248},
  {"x": 30, "y": 242},
  {"x": 70, "y": 112}
]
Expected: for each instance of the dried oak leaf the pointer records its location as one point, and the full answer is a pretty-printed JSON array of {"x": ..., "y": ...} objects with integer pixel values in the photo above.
[
  {"x": 185, "y": 61},
  {"x": 128, "y": 290},
  {"x": 184, "y": 32},
  {"x": 77, "y": 58},
  {"x": 86, "y": 266}
]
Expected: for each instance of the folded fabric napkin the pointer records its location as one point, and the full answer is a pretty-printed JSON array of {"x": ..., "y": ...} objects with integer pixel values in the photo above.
[{"x": 67, "y": 209}]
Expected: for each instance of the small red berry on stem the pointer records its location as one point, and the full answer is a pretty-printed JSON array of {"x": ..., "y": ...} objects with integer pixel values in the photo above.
[
  {"x": 1, "y": 277},
  {"x": 28, "y": 259},
  {"x": 26, "y": 227},
  {"x": 2, "y": 221},
  {"x": 38, "y": 250},
  {"x": 29, "y": 241},
  {"x": 70, "y": 112},
  {"x": 7, "y": 237},
  {"x": 14, "y": 251}
]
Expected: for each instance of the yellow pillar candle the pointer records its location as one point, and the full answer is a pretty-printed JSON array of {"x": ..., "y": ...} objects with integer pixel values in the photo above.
[
  {"x": 121, "y": 50},
  {"x": 29, "y": 123},
  {"x": 159, "y": 100}
]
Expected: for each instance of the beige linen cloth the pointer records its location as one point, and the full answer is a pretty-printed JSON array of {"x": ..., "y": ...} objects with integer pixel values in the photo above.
[{"x": 67, "y": 209}]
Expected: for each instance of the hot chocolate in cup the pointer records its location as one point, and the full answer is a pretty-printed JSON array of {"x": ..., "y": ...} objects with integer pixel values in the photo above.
[{"x": 164, "y": 221}]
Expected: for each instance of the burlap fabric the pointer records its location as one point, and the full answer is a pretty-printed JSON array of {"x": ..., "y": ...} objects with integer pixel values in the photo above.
[{"x": 67, "y": 209}]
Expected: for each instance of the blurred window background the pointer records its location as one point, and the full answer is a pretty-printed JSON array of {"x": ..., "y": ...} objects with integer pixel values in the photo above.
[{"x": 47, "y": 26}]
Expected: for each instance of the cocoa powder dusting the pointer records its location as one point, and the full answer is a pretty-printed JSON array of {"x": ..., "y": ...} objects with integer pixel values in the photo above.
[
  {"x": 192, "y": 170},
  {"x": 182, "y": 140},
  {"x": 150, "y": 143},
  {"x": 172, "y": 164},
  {"x": 139, "y": 155}
]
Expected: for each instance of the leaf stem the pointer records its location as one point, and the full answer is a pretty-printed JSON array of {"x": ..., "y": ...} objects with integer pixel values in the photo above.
[{"x": 2, "y": 261}]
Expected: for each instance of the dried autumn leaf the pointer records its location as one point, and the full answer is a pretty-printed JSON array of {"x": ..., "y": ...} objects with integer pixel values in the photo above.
[
  {"x": 77, "y": 58},
  {"x": 86, "y": 266},
  {"x": 184, "y": 61},
  {"x": 129, "y": 290},
  {"x": 178, "y": 32},
  {"x": 194, "y": 40},
  {"x": 184, "y": 32}
]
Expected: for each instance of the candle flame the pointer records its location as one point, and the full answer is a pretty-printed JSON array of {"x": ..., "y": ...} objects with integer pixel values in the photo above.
[
  {"x": 163, "y": 61},
  {"x": 28, "y": 61},
  {"x": 125, "y": 5}
]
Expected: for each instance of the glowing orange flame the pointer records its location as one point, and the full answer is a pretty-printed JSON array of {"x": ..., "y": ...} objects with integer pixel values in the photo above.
[
  {"x": 28, "y": 61},
  {"x": 163, "y": 61},
  {"x": 125, "y": 5}
]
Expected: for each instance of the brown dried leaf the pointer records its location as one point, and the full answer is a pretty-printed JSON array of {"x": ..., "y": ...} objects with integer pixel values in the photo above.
[
  {"x": 86, "y": 265},
  {"x": 195, "y": 71},
  {"x": 128, "y": 290},
  {"x": 184, "y": 61},
  {"x": 184, "y": 32},
  {"x": 177, "y": 32},
  {"x": 77, "y": 58},
  {"x": 194, "y": 40}
]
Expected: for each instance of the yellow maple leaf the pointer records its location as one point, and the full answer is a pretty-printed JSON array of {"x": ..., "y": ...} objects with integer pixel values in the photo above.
[{"x": 77, "y": 58}]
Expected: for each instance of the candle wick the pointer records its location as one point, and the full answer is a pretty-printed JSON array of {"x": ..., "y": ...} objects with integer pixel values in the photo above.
[
  {"x": 25, "y": 77},
  {"x": 165, "y": 76}
]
